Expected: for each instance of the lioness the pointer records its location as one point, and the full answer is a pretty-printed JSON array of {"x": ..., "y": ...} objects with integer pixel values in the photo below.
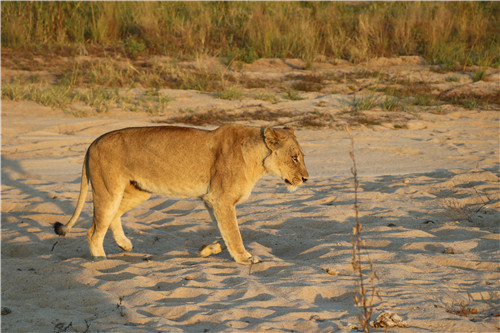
[{"x": 221, "y": 167}]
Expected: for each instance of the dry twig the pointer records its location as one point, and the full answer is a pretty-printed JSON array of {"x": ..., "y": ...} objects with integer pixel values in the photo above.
[{"x": 361, "y": 299}]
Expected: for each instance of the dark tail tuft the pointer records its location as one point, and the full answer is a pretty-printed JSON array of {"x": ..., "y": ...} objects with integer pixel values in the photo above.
[{"x": 60, "y": 229}]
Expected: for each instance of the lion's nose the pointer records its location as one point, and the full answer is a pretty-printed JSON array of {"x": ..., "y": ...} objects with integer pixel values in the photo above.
[{"x": 304, "y": 179}]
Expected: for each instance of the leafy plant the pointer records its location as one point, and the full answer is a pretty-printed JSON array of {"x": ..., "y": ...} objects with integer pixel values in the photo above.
[{"x": 133, "y": 48}]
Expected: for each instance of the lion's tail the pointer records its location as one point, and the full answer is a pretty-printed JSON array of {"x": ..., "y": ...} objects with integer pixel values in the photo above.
[{"x": 63, "y": 229}]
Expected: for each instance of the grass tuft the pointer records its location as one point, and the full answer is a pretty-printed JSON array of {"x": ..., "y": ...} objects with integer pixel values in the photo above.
[
  {"x": 479, "y": 75},
  {"x": 231, "y": 93}
]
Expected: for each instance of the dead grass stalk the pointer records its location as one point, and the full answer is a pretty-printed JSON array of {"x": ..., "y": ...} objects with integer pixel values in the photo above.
[{"x": 365, "y": 288}]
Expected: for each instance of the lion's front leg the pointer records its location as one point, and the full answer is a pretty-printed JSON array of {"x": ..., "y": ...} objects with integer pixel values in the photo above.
[{"x": 224, "y": 215}]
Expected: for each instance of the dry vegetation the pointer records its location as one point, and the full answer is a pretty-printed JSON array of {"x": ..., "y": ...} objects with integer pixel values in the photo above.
[
  {"x": 447, "y": 34},
  {"x": 87, "y": 84},
  {"x": 365, "y": 287}
]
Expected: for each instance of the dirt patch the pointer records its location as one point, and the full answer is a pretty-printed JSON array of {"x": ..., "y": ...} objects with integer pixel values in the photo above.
[
  {"x": 382, "y": 92},
  {"x": 481, "y": 91}
]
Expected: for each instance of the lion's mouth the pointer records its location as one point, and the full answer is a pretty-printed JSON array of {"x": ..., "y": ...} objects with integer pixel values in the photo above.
[
  {"x": 296, "y": 182},
  {"x": 290, "y": 186}
]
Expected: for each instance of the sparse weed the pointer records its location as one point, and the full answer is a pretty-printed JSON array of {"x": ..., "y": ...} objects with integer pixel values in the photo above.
[
  {"x": 97, "y": 97},
  {"x": 309, "y": 83},
  {"x": 52, "y": 96},
  {"x": 425, "y": 100},
  {"x": 479, "y": 75},
  {"x": 188, "y": 111},
  {"x": 456, "y": 209},
  {"x": 462, "y": 308},
  {"x": 111, "y": 72},
  {"x": 154, "y": 95},
  {"x": 255, "y": 83},
  {"x": 364, "y": 102},
  {"x": 362, "y": 73},
  {"x": 467, "y": 102},
  {"x": 392, "y": 104},
  {"x": 292, "y": 95},
  {"x": 452, "y": 78},
  {"x": 406, "y": 88},
  {"x": 268, "y": 97},
  {"x": 231, "y": 93},
  {"x": 219, "y": 117},
  {"x": 464, "y": 203},
  {"x": 316, "y": 120},
  {"x": 364, "y": 297},
  {"x": 307, "y": 86}
]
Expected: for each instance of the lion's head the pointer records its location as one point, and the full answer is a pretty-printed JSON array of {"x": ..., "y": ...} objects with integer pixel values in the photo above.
[{"x": 287, "y": 158}]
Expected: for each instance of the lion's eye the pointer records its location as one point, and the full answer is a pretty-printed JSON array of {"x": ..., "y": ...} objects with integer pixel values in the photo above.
[{"x": 295, "y": 159}]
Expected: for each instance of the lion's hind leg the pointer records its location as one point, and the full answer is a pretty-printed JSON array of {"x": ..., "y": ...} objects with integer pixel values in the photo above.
[
  {"x": 105, "y": 208},
  {"x": 132, "y": 197}
]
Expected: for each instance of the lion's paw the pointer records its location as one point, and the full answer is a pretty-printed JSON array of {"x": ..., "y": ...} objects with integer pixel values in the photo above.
[
  {"x": 255, "y": 259},
  {"x": 249, "y": 260},
  {"x": 125, "y": 244},
  {"x": 214, "y": 248}
]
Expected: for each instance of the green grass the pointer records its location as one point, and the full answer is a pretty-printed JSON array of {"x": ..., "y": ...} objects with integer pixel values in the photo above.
[
  {"x": 479, "y": 75},
  {"x": 450, "y": 34}
]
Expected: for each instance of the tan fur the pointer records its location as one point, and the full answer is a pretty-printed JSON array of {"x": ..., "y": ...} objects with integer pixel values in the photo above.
[{"x": 219, "y": 166}]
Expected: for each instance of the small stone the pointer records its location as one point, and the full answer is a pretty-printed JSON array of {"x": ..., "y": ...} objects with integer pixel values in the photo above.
[
  {"x": 316, "y": 318},
  {"x": 449, "y": 250},
  {"x": 331, "y": 272},
  {"x": 388, "y": 319}
]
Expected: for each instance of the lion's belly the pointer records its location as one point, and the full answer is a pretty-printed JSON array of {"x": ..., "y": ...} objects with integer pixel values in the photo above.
[{"x": 174, "y": 189}]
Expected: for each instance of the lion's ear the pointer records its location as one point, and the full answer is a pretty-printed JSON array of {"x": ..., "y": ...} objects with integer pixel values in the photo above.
[
  {"x": 289, "y": 130},
  {"x": 272, "y": 138}
]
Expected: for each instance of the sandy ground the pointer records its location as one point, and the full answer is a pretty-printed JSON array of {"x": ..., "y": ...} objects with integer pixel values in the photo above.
[{"x": 429, "y": 204}]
